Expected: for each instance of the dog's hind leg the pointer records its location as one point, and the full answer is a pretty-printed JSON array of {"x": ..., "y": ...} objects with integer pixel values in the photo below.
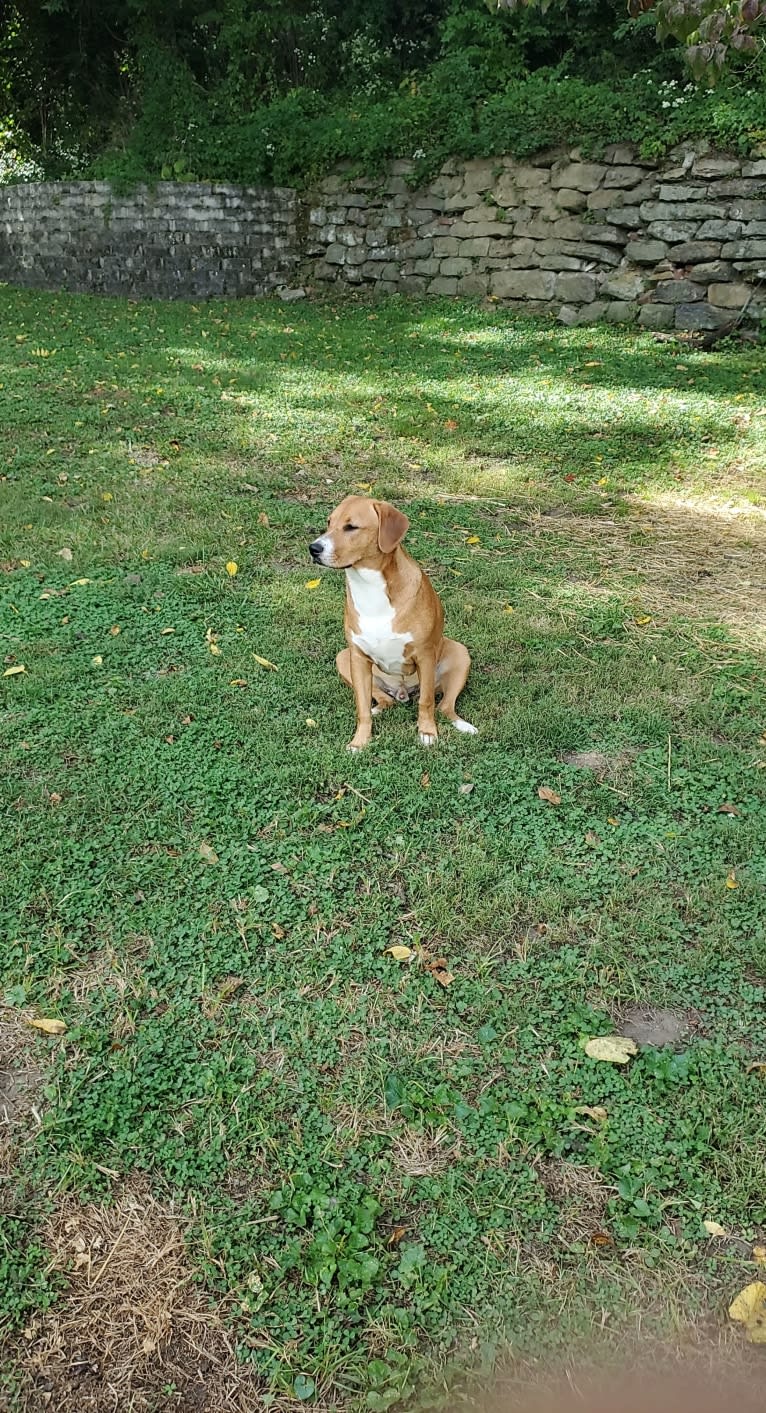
[{"x": 451, "y": 675}]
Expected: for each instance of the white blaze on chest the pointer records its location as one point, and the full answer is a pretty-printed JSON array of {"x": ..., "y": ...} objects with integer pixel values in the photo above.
[{"x": 375, "y": 635}]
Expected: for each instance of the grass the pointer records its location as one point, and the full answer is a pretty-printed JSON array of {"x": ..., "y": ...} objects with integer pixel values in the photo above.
[{"x": 368, "y": 1184}]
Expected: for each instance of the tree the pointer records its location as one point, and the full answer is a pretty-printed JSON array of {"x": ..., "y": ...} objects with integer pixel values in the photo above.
[{"x": 711, "y": 32}]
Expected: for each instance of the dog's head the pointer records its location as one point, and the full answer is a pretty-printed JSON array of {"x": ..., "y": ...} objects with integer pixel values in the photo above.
[{"x": 359, "y": 532}]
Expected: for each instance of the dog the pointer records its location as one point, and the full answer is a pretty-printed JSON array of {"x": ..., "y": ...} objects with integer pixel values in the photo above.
[{"x": 393, "y": 621}]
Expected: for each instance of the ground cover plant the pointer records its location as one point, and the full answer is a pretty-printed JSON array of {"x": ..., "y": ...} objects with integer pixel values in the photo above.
[{"x": 268, "y": 1158}]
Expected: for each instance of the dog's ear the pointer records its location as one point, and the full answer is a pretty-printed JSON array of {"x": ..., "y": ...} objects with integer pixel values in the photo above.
[{"x": 392, "y": 526}]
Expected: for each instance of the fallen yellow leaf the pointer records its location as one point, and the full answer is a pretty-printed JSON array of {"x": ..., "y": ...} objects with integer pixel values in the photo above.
[
  {"x": 363, "y": 485},
  {"x": 208, "y": 853},
  {"x": 759, "y": 1255},
  {"x": 214, "y": 649},
  {"x": 611, "y": 820},
  {"x": 77, "y": 582},
  {"x": 592, "y": 1112},
  {"x": 615, "y": 1049},
  {"x": 97, "y": 661},
  {"x": 313, "y": 583},
  {"x": 715, "y": 1229},
  {"x": 115, "y": 630},
  {"x": 25, "y": 563},
  {"x": 645, "y": 618},
  {"x": 310, "y": 721},
  {"x": 14, "y": 671},
  {"x": 164, "y": 632},
  {"x": 545, "y": 793},
  {"x": 749, "y": 1309},
  {"x": 756, "y": 1065},
  {"x": 731, "y": 881},
  {"x": 49, "y": 1027},
  {"x": 473, "y": 540},
  {"x": 264, "y": 662},
  {"x": 399, "y": 953},
  {"x": 231, "y": 567}
]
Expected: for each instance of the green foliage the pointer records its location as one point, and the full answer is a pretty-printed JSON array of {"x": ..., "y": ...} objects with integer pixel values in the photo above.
[
  {"x": 267, "y": 93},
  {"x": 375, "y": 1167}
]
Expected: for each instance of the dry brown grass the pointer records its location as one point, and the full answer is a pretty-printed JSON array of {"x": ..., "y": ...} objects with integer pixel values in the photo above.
[
  {"x": 702, "y": 560},
  {"x": 132, "y": 1332}
]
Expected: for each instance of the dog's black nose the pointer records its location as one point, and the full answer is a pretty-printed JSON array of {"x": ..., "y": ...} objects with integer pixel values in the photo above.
[{"x": 315, "y": 549}]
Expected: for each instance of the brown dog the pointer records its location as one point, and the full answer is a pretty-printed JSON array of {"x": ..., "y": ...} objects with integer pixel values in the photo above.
[{"x": 393, "y": 621}]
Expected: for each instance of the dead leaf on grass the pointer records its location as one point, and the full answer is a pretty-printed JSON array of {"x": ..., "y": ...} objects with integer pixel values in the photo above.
[
  {"x": 65, "y": 554},
  {"x": 759, "y": 1065},
  {"x": 727, "y": 809},
  {"x": 614, "y": 1049},
  {"x": 208, "y": 853},
  {"x": 546, "y": 793},
  {"x": 714, "y": 1229},
  {"x": 749, "y": 1309},
  {"x": 425, "y": 781},
  {"x": 232, "y": 568},
  {"x": 467, "y": 789},
  {"x": 759, "y": 1255},
  {"x": 592, "y": 839},
  {"x": 592, "y": 1111},
  {"x": 49, "y": 1027},
  {"x": 263, "y": 518},
  {"x": 399, "y": 952},
  {"x": 14, "y": 671},
  {"x": 264, "y": 662}
]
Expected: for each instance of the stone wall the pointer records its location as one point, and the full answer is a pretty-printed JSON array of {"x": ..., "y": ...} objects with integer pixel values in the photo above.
[
  {"x": 681, "y": 245},
  {"x": 678, "y": 246},
  {"x": 192, "y": 240}
]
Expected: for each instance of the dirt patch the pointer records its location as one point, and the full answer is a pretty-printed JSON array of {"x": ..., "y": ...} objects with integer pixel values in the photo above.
[
  {"x": 654, "y": 1025},
  {"x": 132, "y": 1330},
  {"x": 20, "y": 1080},
  {"x": 581, "y": 1195},
  {"x": 614, "y": 768}
]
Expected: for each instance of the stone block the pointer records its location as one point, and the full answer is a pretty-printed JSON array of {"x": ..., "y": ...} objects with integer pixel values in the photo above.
[
  {"x": 622, "y": 312},
  {"x": 576, "y": 288},
  {"x": 678, "y": 292},
  {"x": 626, "y": 284},
  {"x": 673, "y": 194},
  {"x": 695, "y": 252},
  {"x": 628, "y": 216},
  {"x": 623, "y": 176},
  {"x": 646, "y": 252},
  {"x": 754, "y": 169},
  {"x": 711, "y": 270},
  {"x": 700, "y": 316},
  {"x": 680, "y": 211},
  {"x": 601, "y": 254},
  {"x": 443, "y": 284},
  {"x": 427, "y": 266},
  {"x": 745, "y": 189},
  {"x": 476, "y": 214},
  {"x": 748, "y": 210},
  {"x": 569, "y": 228},
  {"x": 561, "y": 262},
  {"x": 719, "y": 230},
  {"x": 473, "y": 284},
  {"x": 603, "y": 200},
  {"x": 571, "y": 200},
  {"x": 657, "y": 316},
  {"x": 524, "y": 284},
  {"x": 673, "y": 231},
  {"x": 336, "y": 254},
  {"x": 472, "y": 247},
  {"x": 715, "y": 166},
  {"x": 479, "y": 175},
  {"x": 729, "y": 296},
  {"x": 611, "y": 235},
  {"x": 454, "y": 265},
  {"x": 446, "y": 245},
  {"x": 572, "y": 314},
  {"x": 582, "y": 176},
  {"x": 753, "y": 249}
]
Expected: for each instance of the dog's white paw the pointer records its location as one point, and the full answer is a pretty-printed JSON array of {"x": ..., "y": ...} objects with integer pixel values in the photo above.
[
  {"x": 465, "y": 726},
  {"x": 427, "y": 738}
]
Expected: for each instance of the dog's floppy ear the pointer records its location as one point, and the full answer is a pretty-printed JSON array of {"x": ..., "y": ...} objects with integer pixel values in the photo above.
[{"x": 392, "y": 526}]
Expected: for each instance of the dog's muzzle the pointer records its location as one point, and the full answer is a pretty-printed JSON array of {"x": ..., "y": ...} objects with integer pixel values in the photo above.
[{"x": 316, "y": 550}]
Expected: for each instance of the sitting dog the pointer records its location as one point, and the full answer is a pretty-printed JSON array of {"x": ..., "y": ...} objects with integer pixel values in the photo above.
[{"x": 393, "y": 621}]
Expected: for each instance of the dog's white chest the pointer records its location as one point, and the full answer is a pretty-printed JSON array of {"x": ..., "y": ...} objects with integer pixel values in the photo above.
[{"x": 375, "y": 613}]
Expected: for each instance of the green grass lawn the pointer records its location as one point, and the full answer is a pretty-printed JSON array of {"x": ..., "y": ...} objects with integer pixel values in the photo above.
[{"x": 372, "y": 1183}]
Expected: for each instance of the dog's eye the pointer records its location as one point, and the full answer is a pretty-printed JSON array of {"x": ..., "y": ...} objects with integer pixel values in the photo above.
[{"x": 349, "y": 527}]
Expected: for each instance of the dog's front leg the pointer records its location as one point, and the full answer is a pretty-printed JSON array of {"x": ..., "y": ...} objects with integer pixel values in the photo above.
[
  {"x": 361, "y": 681},
  {"x": 426, "y": 665}
]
